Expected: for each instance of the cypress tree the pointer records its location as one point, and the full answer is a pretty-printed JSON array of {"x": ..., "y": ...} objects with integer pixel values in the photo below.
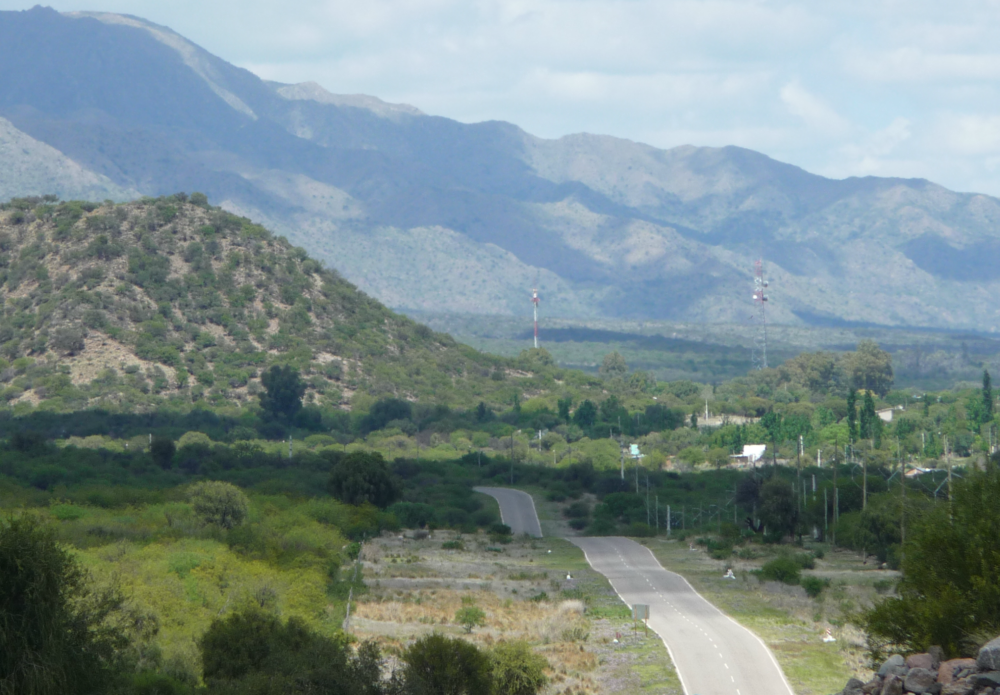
[{"x": 852, "y": 415}]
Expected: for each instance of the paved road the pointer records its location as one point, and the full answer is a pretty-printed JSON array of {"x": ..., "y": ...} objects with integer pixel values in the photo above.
[
  {"x": 517, "y": 510},
  {"x": 714, "y": 655}
]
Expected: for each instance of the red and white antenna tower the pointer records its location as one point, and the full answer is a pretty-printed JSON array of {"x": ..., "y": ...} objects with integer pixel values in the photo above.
[
  {"x": 760, "y": 300},
  {"x": 534, "y": 304}
]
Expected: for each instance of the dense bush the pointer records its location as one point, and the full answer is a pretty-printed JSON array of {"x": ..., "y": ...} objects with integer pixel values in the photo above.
[
  {"x": 219, "y": 503},
  {"x": 361, "y": 477},
  {"x": 439, "y": 665},
  {"x": 814, "y": 585},
  {"x": 254, "y": 652},
  {"x": 59, "y": 636},
  {"x": 782, "y": 569},
  {"x": 516, "y": 669},
  {"x": 950, "y": 589}
]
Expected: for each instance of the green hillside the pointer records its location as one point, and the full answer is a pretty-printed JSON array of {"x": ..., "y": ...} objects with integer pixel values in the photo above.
[{"x": 171, "y": 302}]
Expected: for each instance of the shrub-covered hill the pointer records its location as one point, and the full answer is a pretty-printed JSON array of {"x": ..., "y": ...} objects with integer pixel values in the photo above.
[{"x": 173, "y": 302}]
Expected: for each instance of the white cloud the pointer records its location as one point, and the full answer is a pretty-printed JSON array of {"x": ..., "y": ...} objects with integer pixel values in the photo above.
[{"x": 813, "y": 110}]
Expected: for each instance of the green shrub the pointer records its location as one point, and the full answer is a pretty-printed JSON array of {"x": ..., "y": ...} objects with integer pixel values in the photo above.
[
  {"x": 470, "y": 617},
  {"x": 438, "y": 665},
  {"x": 219, "y": 503},
  {"x": 814, "y": 585},
  {"x": 782, "y": 569},
  {"x": 453, "y": 545},
  {"x": 516, "y": 669}
]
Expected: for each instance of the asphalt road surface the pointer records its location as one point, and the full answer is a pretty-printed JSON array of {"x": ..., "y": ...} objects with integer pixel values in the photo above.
[
  {"x": 714, "y": 654},
  {"x": 517, "y": 510}
]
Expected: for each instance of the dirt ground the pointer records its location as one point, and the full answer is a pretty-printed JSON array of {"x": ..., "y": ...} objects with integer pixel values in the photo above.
[{"x": 538, "y": 590}]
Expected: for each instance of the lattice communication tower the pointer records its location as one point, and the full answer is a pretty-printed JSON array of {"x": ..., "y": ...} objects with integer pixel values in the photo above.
[
  {"x": 760, "y": 316},
  {"x": 534, "y": 305}
]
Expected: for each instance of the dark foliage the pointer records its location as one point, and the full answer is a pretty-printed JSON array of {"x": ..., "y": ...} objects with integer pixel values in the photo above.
[
  {"x": 439, "y": 665},
  {"x": 283, "y": 391},
  {"x": 57, "y": 635},
  {"x": 364, "y": 478},
  {"x": 254, "y": 652}
]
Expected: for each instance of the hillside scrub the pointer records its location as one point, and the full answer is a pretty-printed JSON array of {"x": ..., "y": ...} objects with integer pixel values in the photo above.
[
  {"x": 949, "y": 594},
  {"x": 164, "y": 302}
]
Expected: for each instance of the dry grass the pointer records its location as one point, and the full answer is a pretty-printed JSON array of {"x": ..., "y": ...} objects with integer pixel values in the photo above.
[{"x": 416, "y": 587}]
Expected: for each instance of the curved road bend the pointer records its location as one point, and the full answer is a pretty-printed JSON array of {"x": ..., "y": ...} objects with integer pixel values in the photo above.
[
  {"x": 517, "y": 510},
  {"x": 714, "y": 654}
]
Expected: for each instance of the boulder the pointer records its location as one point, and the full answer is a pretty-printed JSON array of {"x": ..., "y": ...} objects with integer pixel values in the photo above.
[
  {"x": 963, "y": 686},
  {"x": 895, "y": 665},
  {"x": 893, "y": 685},
  {"x": 948, "y": 669},
  {"x": 990, "y": 679},
  {"x": 937, "y": 654},
  {"x": 853, "y": 687},
  {"x": 920, "y": 661},
  {"x": 919, "y": 680},
  {"x": 872, "y": 687},
  {"x": 989, "y": 656}
]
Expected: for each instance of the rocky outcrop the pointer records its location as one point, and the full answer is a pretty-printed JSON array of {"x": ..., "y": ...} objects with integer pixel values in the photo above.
[{"x": 930, "y": 674}]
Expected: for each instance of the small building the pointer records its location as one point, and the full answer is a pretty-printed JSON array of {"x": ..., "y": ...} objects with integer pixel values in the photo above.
[
  {"x": 885, "y": 414},
  {"x": 750, "y": 455}
]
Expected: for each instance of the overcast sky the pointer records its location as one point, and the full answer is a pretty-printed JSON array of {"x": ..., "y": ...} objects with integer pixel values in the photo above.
[{"x": 841, "y": 88}]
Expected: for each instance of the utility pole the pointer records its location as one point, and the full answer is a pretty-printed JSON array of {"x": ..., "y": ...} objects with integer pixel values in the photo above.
[
  {"x": 826, "y": 516},
  {"x": 647, "y": 498},
  {"x": 902, "y": 511},
  {"x": 947, "y": 458},
  {"x": 511, "y": 458},
  {"x": 668, "y": 521}
]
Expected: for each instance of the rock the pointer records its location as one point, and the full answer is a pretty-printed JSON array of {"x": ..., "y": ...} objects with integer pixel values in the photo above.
[
  {"x": 918, "y": 680},
  {"x": 895, "y": 665},
  {"x": 873, "y": 686},
  {"x": 948, "y": 669},
  {"x": 937, "y": 654},
  {"x": 990, "y": 679},
  {"x": 962, "y": 686},
  {"x": 853, "y": 687},
  {"x": 920, "y": 661},
  {"x": 935, "y": 689},
  {"x": 989, "y": 656},
  {"x": 893, "y": 685}
]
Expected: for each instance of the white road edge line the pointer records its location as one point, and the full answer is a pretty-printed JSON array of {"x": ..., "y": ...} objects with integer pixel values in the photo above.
[
  {"x": 673, "y": 661},
  {"x": 728, "y": 617}
]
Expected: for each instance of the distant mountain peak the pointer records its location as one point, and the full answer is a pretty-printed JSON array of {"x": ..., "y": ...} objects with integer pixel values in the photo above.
[
  {"x": 310, "y": 91},
  {"x": 195, "y": 57}
]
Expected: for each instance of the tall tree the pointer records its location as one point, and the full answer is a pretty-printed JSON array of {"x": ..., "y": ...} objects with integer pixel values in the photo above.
[
  {"x": 58, "y": 635},
  {"x": 283, "y": 391},
  {"x": 870, "y": 368},
  {"x": 868, "y": 417},
  {"x": 852, "y": 415},
  {"x": 362, "y": 477},
  {"x": 613, "y": 366}
]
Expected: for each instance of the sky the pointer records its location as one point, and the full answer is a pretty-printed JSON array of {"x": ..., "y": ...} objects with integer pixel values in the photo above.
[{"x": 840, "y": 88}]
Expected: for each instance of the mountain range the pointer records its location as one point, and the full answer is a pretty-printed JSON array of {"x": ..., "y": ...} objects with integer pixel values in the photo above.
[{"x": 427, "y": 213}]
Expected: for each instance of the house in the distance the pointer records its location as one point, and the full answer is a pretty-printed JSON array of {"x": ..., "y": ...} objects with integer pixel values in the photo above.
[{"x": 751, "y": 454}]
